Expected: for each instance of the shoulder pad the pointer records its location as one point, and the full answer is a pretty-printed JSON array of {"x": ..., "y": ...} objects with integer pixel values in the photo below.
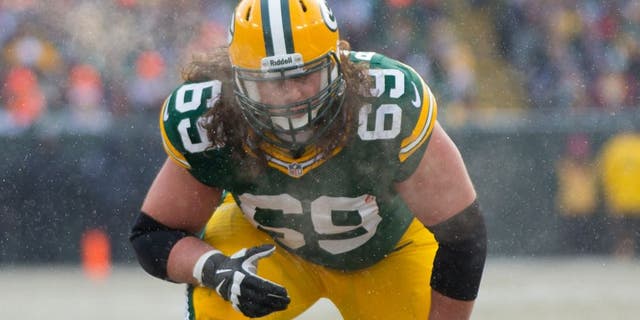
[
  {"x": 399, "y": 94},
  {"x": 182, "y": 134}
]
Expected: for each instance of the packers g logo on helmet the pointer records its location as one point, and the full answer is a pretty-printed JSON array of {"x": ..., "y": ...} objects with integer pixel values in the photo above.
[
  {"x": 277, "y": 41},
  {"x": 328, "y": 16}
]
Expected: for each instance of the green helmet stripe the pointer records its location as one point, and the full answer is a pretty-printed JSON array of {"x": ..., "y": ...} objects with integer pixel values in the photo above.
[{"x": 276, "y": 26}]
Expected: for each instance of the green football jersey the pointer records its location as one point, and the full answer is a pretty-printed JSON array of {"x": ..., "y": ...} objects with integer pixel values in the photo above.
[{"x": 340, "y": 211}]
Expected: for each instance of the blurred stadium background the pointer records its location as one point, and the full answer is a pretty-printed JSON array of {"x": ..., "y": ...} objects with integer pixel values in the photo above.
[{"x": 523, "y": 85}]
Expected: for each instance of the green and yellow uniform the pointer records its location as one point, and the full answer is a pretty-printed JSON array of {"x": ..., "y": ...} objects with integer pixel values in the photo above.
[{"x": 341, "y": 229}]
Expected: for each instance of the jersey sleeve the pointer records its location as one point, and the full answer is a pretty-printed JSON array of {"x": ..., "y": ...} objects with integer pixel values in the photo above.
[
  {"x": 422, "y": 119},
  {"x": 399, "y": 94},
  {"x": 183, "y": 137},
  {"x": 169, "y": 142},
  {"x": 419, "y": 123}
]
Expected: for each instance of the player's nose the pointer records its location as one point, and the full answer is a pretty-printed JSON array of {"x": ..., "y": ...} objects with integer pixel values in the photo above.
[{"x": 292, "y": 91}]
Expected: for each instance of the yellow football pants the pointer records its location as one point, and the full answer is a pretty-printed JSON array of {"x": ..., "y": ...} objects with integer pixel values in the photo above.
[{"x": 395, "y": 288}]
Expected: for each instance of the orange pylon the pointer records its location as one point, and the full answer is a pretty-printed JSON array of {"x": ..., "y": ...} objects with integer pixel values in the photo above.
[{"x": 96, "y": 254}]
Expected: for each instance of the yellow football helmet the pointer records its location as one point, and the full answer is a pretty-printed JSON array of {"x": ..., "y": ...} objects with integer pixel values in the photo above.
[{"x": 280, "y": 46}]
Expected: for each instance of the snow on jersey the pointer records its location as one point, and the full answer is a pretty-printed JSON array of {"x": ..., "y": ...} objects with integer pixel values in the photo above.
[{"x": 341, "y": 211}]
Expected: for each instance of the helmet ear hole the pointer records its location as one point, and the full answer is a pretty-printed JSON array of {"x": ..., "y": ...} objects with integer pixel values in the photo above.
[
  {"x": 248, "y": 15},
  {"x": 303, "y": 5}
]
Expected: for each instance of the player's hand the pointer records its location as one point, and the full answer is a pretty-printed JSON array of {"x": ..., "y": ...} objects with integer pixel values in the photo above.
[{"x": 234, "y": 278}]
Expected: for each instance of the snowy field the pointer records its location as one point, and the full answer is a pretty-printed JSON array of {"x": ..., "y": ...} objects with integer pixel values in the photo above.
[{"x": 576, "y": 288}]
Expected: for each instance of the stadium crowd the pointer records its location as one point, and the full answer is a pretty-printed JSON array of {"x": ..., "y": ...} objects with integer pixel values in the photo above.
[
  {"x": 79, "y": 61},
  {"x": 89, "y": 59},
  {"x": 574, "y": 54}
]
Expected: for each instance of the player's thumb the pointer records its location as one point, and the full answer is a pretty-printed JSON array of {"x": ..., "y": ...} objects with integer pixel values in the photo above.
[
  {"x": 256, "y": 253},
  {"x": 262, "y": 251}
]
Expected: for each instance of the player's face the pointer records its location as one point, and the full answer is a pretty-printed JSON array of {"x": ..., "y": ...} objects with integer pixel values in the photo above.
[
  {"x": 286, "y": 92},
  {"x": 289, "y": 103}
]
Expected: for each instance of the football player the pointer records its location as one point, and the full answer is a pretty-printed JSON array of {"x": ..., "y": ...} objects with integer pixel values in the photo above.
[{"x": 323, "y": 166}]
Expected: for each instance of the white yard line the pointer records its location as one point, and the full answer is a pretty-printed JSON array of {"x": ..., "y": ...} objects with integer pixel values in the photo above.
[{"x": 518, "y": 288}]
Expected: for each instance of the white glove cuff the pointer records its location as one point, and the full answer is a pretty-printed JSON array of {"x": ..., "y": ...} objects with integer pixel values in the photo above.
[{"x": 197, "y": 268}]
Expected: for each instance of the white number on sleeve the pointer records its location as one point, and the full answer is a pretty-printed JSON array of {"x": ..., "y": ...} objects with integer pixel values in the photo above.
[
  {"x": 182, "y": 106},
  {"x": 386, "y": 110},
  {"x": 365, "y": 56},
  {"x": 380, "y": 86},
  {"x": 379, "y": 132}
]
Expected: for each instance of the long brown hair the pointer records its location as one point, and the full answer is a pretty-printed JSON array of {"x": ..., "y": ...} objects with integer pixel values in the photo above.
[{"x": 224, "y": 121}]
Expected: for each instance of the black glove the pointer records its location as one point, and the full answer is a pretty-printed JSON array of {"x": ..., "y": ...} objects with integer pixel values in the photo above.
[{"x": 234, "y": 278}]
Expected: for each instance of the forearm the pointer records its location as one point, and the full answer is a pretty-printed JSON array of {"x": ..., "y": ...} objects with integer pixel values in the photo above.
[
  {"x": 164, "y": 252},
  {"x": 178, "y": 256},
  {"x": 183, "y": 258},
  {"x": 445, "y": 308}
]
